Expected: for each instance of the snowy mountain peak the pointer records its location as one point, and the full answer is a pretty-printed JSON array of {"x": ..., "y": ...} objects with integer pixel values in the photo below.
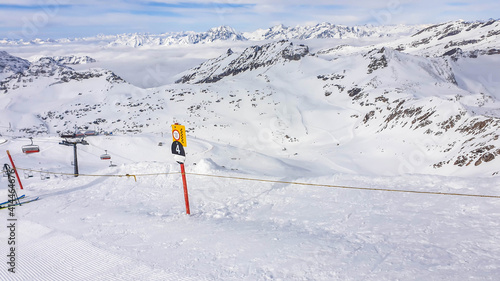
[
  {"x": 254, "y": 57},
  {"x": 73, "y": 60},
  {"x": 10, "y": 64},
  {"x": 221, "y": 33}
]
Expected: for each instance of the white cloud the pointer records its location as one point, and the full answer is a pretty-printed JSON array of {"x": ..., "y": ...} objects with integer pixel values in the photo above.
[{"x": 121, "y": 16}]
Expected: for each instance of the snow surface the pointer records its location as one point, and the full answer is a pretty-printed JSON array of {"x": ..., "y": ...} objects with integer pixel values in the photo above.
[{"x": 113, "y": 228}]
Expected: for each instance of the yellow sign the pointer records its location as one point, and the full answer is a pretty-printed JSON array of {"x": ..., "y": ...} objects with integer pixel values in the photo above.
[{"x": 179, "y": 134}]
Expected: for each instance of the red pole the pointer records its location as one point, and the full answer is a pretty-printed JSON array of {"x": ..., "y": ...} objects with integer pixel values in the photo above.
[
  {"x": 183, "y": 172},
  {"x": 15, "y": 170}
]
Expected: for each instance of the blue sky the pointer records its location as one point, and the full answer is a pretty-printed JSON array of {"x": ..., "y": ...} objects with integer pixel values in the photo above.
[{"x": 29, "y": 19}]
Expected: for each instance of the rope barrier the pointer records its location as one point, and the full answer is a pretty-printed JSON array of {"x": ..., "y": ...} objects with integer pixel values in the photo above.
[
  {"x": 350, "y": 187},
  {"x": 278, "y": 181}
]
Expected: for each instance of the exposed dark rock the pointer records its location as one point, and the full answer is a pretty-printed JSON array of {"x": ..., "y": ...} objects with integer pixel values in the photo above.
[
  {"x": 368, "y": 116},
  {"x": 377, "y": 63},
  {"x": 475, "y": 127},
  {"x": 354, "y": 92}
]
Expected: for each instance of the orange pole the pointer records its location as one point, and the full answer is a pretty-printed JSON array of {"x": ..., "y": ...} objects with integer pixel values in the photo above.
[
  {"x": 186, "y": 198},
  {"x": 15, "y": 170}
]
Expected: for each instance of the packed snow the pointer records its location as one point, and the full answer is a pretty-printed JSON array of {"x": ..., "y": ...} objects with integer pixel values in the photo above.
[{"x": 114, "y": 228}]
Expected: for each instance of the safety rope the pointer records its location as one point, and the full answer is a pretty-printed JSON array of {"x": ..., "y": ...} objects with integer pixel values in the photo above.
[
  {"x": 277, "y": 181},
  {"x": 349, "y": 187}
]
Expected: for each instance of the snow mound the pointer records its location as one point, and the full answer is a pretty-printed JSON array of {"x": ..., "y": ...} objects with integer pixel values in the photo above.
[{"x": 206, "y": 166}]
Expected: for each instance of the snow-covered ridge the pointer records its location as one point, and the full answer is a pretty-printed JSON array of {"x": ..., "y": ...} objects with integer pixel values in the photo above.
[
  {"x": 458, "y": 38},
  {"x": 226, "y": 33},
  {"x": 73, "y": 59},
  {"x": 50, "y": 68},
  {"x": 11, "y": 64},
  {"x": 328, "y": 30},
  {"x": 251, "y": 58},
  {"x": 222, "y": 33}
]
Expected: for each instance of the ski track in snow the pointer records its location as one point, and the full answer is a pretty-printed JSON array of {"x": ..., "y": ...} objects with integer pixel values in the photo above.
[{"x": 47, "y": 254}]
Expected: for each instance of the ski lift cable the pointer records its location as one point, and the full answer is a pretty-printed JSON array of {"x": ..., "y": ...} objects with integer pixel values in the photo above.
[
  {"x": 88, "y": 152},
  {"x": 115, "y": 155},
  {"x": 98, "y": 155}
]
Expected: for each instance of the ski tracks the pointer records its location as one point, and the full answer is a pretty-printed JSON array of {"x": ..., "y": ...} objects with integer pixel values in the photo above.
[{"x": 46, "y": 254}]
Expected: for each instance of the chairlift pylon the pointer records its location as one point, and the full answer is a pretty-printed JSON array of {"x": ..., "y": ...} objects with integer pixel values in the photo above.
[
  {"x": 30, "y": 148},
  {"x": 105, "y": 156}
]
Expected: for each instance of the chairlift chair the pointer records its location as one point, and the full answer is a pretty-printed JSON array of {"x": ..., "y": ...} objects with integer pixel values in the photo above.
[
  {"x": 28, "y": 174},
  {"x": 44, "y": 176},
  {"x": 105, "y": 156},
  {"x": 30, "y": 148}
]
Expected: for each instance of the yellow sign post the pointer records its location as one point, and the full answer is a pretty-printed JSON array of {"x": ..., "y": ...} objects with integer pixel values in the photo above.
[
  {"x": 178, "y": 144},
  {"x": 179, "y": 134}
]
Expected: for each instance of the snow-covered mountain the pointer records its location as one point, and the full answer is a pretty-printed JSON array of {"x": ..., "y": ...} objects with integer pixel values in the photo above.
[
  {"x": 457, "y": 39},
  {"x": 72, "y": 60},
  {"x": 279, "y": 32},
  {"x": 250, "y": 59},
  {"x": 10, "y": 64},
  {"x": 383, "y": 101},
  {"x": 389, "y": 90},
  {"x": 49, "y": 72},
  {"x": 45, "y": 86},
  {"x": 222, "y": 33}
]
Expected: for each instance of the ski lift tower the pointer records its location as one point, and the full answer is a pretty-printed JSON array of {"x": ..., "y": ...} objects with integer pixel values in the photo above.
[{"x": 73, "y": 140}]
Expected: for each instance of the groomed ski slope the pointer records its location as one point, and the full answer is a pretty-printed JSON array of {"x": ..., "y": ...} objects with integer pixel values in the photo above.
[{"x": 114, "y": 228}]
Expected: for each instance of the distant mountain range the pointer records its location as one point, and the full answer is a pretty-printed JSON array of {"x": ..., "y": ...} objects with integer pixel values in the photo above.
[
  {"x": 423, "y": 34},
  {"x": 226, "y": 33}
]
